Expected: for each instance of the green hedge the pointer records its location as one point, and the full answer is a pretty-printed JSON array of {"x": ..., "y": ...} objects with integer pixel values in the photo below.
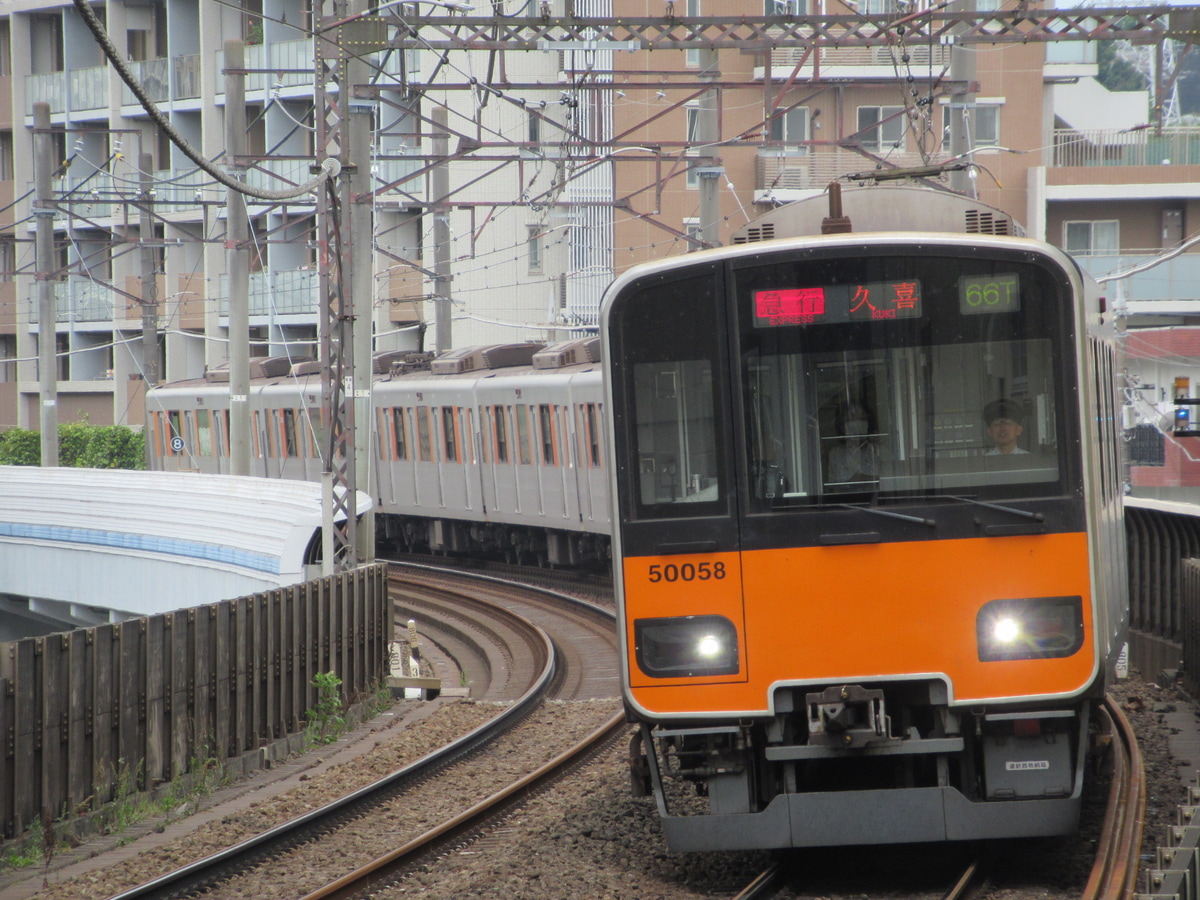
[{"x": 79, "y": 446}]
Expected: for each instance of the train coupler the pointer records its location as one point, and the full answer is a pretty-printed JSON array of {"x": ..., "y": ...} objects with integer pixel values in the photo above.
[{"x": 847, "y": 716}]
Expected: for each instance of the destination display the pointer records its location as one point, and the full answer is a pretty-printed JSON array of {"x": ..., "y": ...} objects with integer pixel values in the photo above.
[
  {"x": 832, "y": 303},
  {"x": 983, "y": 294}
]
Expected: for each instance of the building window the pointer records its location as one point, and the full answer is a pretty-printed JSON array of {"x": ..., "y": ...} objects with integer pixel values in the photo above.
[
  {"x": 533, "y": 131},
  {"x": 982, "y": 124},
  {"x": 783, "y": 7},
  {"x": 880, "y": 128},
  {"x": 791, "y": 128},
  {"x": 534, "y": 237},
  {"x": 691, "y": 227},
  {"x": 877, "y": 7},
  {"x": 1099, "y": 238}
]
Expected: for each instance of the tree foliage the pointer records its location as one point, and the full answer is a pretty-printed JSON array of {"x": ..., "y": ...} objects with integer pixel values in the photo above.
[
  {"x": 1116, "y": 73},
  {"x": 79, "y": 446}
]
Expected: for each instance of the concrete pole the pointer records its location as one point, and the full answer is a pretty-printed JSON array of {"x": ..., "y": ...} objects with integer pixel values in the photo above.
[
  {"x": 149, "y": 274},
  {"x": 708, "y": 130},
  {"x": 237, "y": 232},
  {"x": 439, "y": 182},
  {"x": 962, "y": 99},
  {"x": 43, "y": 165}
]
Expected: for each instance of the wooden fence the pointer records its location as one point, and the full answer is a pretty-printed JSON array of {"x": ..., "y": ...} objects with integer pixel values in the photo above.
[{"x": 89, "y": 714}]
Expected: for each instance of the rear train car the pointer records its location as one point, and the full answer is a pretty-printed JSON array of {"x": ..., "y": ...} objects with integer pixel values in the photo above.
[{"x": 867, "y": 536}]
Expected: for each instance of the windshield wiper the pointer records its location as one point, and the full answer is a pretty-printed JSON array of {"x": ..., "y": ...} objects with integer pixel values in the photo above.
[
  {"x": 1037, "y": 517},
  {"x": 883, "y": 512}
]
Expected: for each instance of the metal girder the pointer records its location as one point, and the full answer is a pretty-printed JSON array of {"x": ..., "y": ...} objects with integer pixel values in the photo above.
[
  {"x": 336, "y": 319},
  {"x": 453, "y": 32}
]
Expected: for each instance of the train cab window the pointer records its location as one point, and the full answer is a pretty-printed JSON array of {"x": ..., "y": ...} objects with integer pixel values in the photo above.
[
  {"x": 546, "y": 428},
  {"x": 499, "y": 420},
  {"x": 883, "y": 381},
  {"x": 424, "y": 440},
  {"x": 670, "y": 408},
  {"x": 399, "y": 434}
]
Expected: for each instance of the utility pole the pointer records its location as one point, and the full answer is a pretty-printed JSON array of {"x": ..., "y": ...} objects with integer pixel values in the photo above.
[
  {"x": 237, "y": 233},
  {"x": 710, "y": 169},
  {"x": 43, "y": 165},
  {"x": 149, "y": 273},
  {"x": 439, "y": 186}
]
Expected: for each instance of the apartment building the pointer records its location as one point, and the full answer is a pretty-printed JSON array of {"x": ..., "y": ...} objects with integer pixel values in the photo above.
[{"x": 568, "y": 165}]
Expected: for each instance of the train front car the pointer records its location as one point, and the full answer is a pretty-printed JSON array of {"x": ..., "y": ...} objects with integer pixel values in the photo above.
[{"x": 867, "y": 538}]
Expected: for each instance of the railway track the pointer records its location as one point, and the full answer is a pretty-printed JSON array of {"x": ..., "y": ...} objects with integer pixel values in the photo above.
[
  {"x": 1118, "y": 846},
  {"x": 523, "y": 661}
]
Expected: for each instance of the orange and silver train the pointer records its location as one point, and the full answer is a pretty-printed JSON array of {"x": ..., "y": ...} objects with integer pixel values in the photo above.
[{"x": 867, "y": 536}]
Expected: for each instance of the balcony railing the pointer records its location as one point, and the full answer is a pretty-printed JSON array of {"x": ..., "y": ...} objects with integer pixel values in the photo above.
[
  {"x": 89, "y": 88},
  {"x": 813, "y": 166},
  {"x": 920, "y": 58},
  {"x": 1175, "y": 146},
  {"x": 49, "y": 87},
  {"x": 76, "y": 300},
  {"x": 1175, "y": 279},
  {"x": 154, "y": 75},
  {"x": 187, "y": 77},
  {"x": 293, "y": 292}
]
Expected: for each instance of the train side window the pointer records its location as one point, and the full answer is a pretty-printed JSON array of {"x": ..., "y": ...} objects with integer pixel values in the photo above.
[
  {"x": 174, "y": 429},
  {"x": 546, "y": 422},
  {"x": 424, "y": 442},
  {"x": 272, "y": 433},
  {"x": 500, "y": 420},
  {"x": 290, "y": 446},
  {"x": 399, "y": 434},
  {"x": 449, "y": 435},
  {"x": 467, "y": 424},
  {"x": 593, "y": 435},
  {"x": 204, "y": 443},
  {"x": 524, "y": 445}
]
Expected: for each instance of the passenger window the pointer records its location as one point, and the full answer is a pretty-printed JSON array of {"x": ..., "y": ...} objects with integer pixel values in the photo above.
[
  {"x": 500, "y": 420},
  {"x": 450, "y": 434},
  {"x": 524, "y": 445},
  {"x": 547, "y": 430},
  {"x": 424, "y": 444},
  {"x": 399, "y": 435},
  {"x": 291, "y": 448},
  {"x": 204, "y": 432}
]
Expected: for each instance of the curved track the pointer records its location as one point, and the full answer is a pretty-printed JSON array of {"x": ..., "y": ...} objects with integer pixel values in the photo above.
[{"x": 499, "y": 636}]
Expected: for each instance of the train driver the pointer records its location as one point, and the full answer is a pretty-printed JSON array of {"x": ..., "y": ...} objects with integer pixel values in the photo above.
[
  {"x": 855, "y": 458},
  {"x": 1003, "y": 419}
]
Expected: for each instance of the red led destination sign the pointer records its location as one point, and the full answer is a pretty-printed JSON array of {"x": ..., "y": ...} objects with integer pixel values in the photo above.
[{"x": 872, "y": 301}]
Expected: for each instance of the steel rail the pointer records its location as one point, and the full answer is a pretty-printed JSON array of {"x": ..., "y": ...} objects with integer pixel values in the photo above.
[
  {"x": 1118, "y": 849},
  {"x": 197, "y": 876},
  {"x": 386, "y": 868}
]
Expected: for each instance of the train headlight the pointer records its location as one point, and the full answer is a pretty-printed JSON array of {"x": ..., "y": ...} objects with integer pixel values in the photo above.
[
  {"x": 1034, "y": 628},
  {"x": 686, "y": 646}
]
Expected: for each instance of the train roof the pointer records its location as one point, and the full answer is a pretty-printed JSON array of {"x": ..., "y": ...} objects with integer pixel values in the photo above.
[
  {"x": 467, "y": 364},
  {"x": 885, "y": 207}
]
